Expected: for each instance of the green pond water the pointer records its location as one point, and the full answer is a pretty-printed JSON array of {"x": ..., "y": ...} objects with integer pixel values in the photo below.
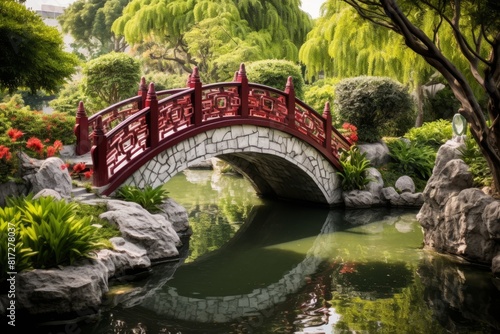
[{"x": 254, "y": 266}]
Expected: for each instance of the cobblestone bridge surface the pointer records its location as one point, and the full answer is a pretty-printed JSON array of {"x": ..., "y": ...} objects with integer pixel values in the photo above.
[
  {"x": 277, "y": 164},
  {"x": 169, "y": 303}
]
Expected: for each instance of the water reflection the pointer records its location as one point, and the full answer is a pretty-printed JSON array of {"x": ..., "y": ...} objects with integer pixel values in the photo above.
[{"x": 259, "y": 267}]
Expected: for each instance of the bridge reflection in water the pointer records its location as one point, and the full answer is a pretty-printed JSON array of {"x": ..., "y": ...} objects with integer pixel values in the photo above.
[{"x": 238, "y": 282}]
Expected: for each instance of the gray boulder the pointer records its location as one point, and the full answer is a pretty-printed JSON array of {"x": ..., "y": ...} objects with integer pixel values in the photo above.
[
  {"x": 358, "y": 199},
  {"x": 377, "y": 153},
  {"x": 49, "y": 175},
  {"x": 176, "y": 214},
  {"x": 137, "y": 225},
  {"x": 405, "y": 184}
]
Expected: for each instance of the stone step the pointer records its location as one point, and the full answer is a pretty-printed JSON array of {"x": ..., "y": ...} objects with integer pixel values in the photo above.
[{"x": 81, "y": 194}]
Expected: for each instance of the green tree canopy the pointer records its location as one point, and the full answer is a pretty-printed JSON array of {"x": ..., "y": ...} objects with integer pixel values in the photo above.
[
  {"x": 240, "y": 31},
  {"x": 31, "y": 53},
  {"x": 475, "y": 30},
  {"x": 89, "y": 23},
  {"x": 111, "y": 78}
]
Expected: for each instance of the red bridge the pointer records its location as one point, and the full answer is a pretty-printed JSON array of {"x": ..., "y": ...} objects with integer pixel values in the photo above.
[{"x": 126, "y": 136}]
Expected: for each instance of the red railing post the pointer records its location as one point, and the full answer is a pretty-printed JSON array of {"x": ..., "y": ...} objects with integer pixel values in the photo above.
[
  {"x": 152, "y": 117},
  {"x": 327, "y": 115},
  {"x": 81, "y": 130},
  {"x": 290, "y": 102},
  {"x": 99, "y": 153},
  {"x": 244, "y": 91},
  {"x": 142, "y": 92},
  {"x": 195, "y": 82}
]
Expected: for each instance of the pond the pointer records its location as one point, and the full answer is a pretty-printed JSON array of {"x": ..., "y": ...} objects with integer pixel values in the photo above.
[{"x": 256, "y": 266}]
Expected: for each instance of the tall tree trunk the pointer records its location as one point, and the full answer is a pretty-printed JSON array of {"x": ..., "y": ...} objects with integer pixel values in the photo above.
[{"x": 419, "y": 95}]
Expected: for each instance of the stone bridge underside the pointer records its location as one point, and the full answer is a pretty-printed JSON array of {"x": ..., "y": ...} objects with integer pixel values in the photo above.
[{"x": 277, "y": 164}]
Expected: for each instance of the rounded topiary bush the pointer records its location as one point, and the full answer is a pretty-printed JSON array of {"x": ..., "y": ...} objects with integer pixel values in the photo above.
[
  {"x": 378, "y": 106},
  {"x": 275, "y": 73}
]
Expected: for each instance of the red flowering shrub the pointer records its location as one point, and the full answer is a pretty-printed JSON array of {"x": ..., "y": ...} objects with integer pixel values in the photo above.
[
  {"x": 14, "y": 134},
  {"x": 350, "y": 132}
]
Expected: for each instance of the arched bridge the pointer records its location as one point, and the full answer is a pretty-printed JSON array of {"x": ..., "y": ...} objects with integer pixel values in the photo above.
[{"x": 285, "y": 148}]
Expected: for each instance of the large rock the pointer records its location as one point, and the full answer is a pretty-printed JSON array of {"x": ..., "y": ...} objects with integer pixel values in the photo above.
[
  {"x": 375, "y": 186},
  {"x": 78, "y": 288},
  {"x": 47, "y": 174},
  {"x": 358, "y": 199},
  {"x": 457, "y": 218},
  {"x": 377, "y": 153},
  {"x": 137, "y": 225},
  {"x": 176, "y": 214}
]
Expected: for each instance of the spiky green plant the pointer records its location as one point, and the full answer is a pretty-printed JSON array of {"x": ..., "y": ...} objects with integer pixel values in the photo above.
[
  {"x": 149, "y": 198},
  {"x": 478, "y": 166},
  {"x": 412, "y": 158},
  {"x": 355, "y": 165}
]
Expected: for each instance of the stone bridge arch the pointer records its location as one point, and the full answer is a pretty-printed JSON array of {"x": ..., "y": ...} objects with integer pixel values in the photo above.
[{"x": 277, "y": 164}]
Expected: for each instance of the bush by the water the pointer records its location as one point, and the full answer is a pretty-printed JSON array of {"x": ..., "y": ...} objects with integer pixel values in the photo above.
[{"x": 377, "y": 106}]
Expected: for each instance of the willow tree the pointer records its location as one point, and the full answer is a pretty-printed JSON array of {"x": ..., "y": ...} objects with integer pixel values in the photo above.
[
  {"x": 342, "y": 44},
  {"x": 215, "y": 35},
  {"x": 475, "y": 27}
]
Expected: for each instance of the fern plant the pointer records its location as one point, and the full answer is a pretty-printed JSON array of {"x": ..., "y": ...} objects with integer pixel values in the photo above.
[
  {"x": 411, "y": 158},
  {"x": 149, "y": 198},
  {"x": 355, "y": 165}
]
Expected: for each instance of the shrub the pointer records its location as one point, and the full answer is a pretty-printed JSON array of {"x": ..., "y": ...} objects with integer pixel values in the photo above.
[
  {"x": 412, "y": 158},
  {"x": 111, "y": 78},
  {"x": 355, "y": 165},
  {"x": 377, "y": 106},
  {"x": 441, "y": 105},
  {"x": 432, "y": 134},
  {"x": 472, "y": 156},
  {"x": 275, "y": 73},
  {"x": 149, "y": 198}
]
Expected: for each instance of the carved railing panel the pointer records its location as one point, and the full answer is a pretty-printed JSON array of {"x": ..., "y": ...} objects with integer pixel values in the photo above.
[
  {"x": 310, "y": 123},
  {"x": 267, "y": 104},
  {"x": 174, "y": 114},
  {"x": 127, "y": 143},
  {"x": 220, "y": 101}
]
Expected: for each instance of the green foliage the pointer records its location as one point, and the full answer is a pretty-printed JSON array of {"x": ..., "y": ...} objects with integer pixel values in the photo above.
[
  {"x": 89, "y": 23},
  {"x": 433, "y": 134},
  {"x": 49, "y": 231},
  {"x": 51, "y": 127},
  {"x": 412, "y": 158},
  {"x": 240, "y": 31},
  {"x": 68, "y": 98},
  {"x": 441, "y": 105},
  {"x": 320, "y": 92},
  {"x": 472, "y": 156},
  {"x": 377, "y": 106},
  {"x": 275, "y": 73},
  {"x": 31, "y": 53},
  {"x": 355, "y": 165},
  {"x": 166, "y": 81},
  {"x": 149, "y": 198},
  {"x": 111, "y": 78}
]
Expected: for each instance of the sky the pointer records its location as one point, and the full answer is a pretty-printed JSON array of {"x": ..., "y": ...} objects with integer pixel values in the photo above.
[{"x": 309, "y": 6}]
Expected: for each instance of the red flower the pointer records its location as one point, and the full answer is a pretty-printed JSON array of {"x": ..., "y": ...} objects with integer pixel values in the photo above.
[
  {"x": 46, "y": 140},
  {"x": 51, "y": 151},
  {"x": 4, "y": 152},
  {"x": 348, "y": 268},
  {"x": 79, "y": 167},
  {"x": 88, "y": 174},
  {"x": 64, "y": 166},
  {"x": 35, "y": 144},
  {"x": 58, "y": 145},
  {"x": 14, "y": 134}
]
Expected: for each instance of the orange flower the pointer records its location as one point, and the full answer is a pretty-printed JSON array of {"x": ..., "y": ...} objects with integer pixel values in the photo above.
[
  {"x": 35, "y": 144},
  {"x": 79, "y": 167},
  {"x": 14, "y": 134},
  {"x": 5, "y": 153},
  {"x": 88, "y": 174},
  {"x": 51, "y": 151},
  {"x": 58, "y": 145}
]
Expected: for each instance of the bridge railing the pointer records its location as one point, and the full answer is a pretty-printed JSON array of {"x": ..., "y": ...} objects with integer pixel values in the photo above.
[
  {"x": 111, "y": 116},
  {"x": 151, "y": 123}
]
